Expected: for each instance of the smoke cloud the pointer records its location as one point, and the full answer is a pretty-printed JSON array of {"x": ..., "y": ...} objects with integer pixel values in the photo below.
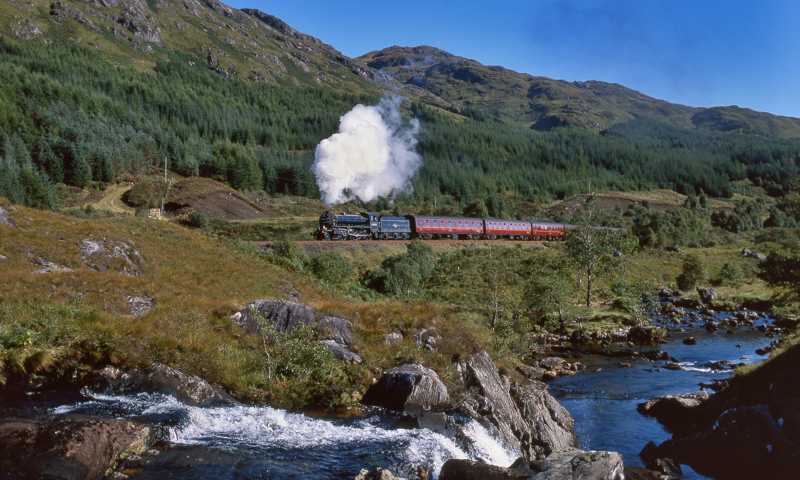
[{"x": 372, "y": 155}]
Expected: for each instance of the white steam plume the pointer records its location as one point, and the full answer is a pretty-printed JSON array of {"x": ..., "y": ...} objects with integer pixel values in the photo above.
[{"x": 372, "y": 155}]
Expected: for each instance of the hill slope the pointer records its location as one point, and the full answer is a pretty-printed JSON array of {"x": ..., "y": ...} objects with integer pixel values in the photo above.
[
  {"x": 243, "y": 43},
  {"x": 482, "y": 91}
]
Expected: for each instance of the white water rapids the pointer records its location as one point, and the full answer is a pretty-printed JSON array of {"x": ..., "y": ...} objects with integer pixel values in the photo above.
[{"x": 341, "y": 445}]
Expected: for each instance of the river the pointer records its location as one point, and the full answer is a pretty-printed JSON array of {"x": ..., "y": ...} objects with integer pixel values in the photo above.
[
  {"x": 246, "y": 442},
  {"x": 603, "y": 403}
]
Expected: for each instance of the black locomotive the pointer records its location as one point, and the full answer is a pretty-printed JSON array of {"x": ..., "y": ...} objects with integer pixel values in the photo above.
[{"x": 364, "y": 226}]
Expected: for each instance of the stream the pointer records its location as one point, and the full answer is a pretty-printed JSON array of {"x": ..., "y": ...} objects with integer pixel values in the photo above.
[
  {"x": 246, "y": 442},
  {"x": 603, "y": 403}
]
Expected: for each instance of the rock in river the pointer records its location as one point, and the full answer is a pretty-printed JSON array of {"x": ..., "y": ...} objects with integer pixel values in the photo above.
[
  {"x": 410, "y": 388},
  {"x": 527, "y": 417},
  {"x": 568, "y": 464},
  {"x": 163, "y": 379},
  {"x": 69, "y": 447}
]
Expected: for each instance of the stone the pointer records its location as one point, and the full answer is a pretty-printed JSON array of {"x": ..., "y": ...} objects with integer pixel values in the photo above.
[
  {"x": 118, "y": 256},
  {"x": 526, "y": 418},
  {"x": 139, "y": 306},
  {"x": 70, "y": 447},
  {"x": 160, "y": 378},
  {"x": 690, "y": 341},
  {"x": 408, "y": 388},
  {"x": 707, "y": 294},
  {"x": 393, "y": 338},
  {"x": 427, "y": 338},
  {"x": 568, "y": 464},
  {"x": 377, "y": 474},
  {"x": 337, "y": 329},
  {"x": 341, "y": 352},
  {"x": 282, "y": 315},
  {"x": 47, "y": 266},
  {"x": 646, "y": 335},
  {"x": 673, "y": 410}
]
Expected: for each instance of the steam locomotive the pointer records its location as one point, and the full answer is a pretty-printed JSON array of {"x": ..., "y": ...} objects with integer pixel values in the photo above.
[{"x": 376, "y": 226}]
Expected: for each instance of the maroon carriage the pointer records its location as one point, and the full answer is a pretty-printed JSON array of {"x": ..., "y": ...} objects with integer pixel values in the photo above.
[
  {"x": 498, "y": 228},
  {"x": 447, "y": 227},
  {"x": 548, "y": 230}
]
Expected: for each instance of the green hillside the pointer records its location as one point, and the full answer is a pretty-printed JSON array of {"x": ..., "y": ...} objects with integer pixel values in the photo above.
[{"x": 95, "y": 92}]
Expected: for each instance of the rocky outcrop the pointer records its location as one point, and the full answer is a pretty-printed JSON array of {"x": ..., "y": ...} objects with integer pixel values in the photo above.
[
  {"x": 527, "y": 418},
  {"x": 135, "y": 18},
  {"x": 48, "y": 266},
  {"x": 410, "y": 388},
  {"x": 69, "y": 447},
  {"x": 111, "y": 256},
  {"x": 748, "y": 429},
  {"x": 569, "y": 464},
  {"x": 140, "y": 305},
  {"x": 160, "y": 378},
  {"x": 673, "y": 411},
  {"x": 377, "y": 474},
  {"x": 393, "y": 338},
  {"x": 5, "y": 218},
  {"x": 707, "y": 295},
  {"x": 335, "y": 333},
  {"x": 646, "y": 335},
  {"x": 427, "y": 338}
]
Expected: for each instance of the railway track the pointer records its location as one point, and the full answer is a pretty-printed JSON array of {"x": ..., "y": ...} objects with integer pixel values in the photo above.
[{"x": 448, "y": 242}]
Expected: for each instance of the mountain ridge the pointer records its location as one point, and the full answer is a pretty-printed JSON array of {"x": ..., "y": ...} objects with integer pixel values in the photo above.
[{"x": 257, "y": 46}]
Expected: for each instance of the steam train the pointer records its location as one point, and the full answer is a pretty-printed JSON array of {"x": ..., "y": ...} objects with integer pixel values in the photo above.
[{"x": 376, "y": 226}]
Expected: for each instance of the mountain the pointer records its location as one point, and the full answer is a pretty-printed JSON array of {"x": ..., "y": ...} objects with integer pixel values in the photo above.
[
  {"x": 480, "y": 91},
  {"x": 245, "y": 43}
]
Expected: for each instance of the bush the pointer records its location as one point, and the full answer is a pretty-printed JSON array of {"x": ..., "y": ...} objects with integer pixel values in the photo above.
[
  {"x": 404, "y": 275},
  {"x": 289, "y": 255},
  {"x": 198, "y": 220},
  {"x": 692, "y": 273},
  {"x": 729, "y": 274},
  {"x": 332, "y": 268}
]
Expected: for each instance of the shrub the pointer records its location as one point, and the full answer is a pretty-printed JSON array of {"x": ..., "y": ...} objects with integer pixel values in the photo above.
[
  {"x": 404, "y": 275},
  {"x": 332, "y": 268},
  {"x": 729, "y": 274},
  {"x": 691, "y": 274},
  {"x": 198, "y": 220}
]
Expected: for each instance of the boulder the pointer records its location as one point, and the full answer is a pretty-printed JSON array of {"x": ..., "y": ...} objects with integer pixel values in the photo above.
[
  {"x": 427, "y": 338},
  {"x": 646, "y": 335},
  {"x": 569, "y": 464},
  {"x": 707, "y": 294},
  {"x": 410, "y": 388},
  {"x": 690, "y": 341},
  {"x": 340, "y": 351},
  {"x": 377, "y": 474},
  {"x": 111, "y": 256},
  {"x": 70, "y": 447},
  {"x": 337, "y": 329},
  {"x": 282, "y": 315},
  {"x": 160, "y": 378},
  {"x": 527, "y": 418},
  {"x": 48, "y": 266},
  {"x": 393, "y": 338},
  {"x": 140, "y": 305},
  {"x": 673, "y": 410},
  {"x": 5, "y": 218}
]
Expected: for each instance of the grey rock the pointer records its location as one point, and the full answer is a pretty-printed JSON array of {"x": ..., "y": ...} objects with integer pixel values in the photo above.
[
  {"x": 160, "y": 378},
  {"x": 70, "y": 447},
  {"x": 135, "y": 19},
  {"x": 5, "y": 218},
  {"x": 568, "y": 464},
  {"x": 393, "y": 338},
  {"x": 3, "y": 258},
  {"x": 707, "y": 294},
  {"x": 111, "y": 256},
  {"x": 283, "y": 316},
  {"x": 377, "y": 474},
  {"x": 527, "y": 418},
  {"x": 286, "y": 316},
  {"x": 25, "y": 29},
  {"x": 673, "y": 410},
  {"x": 139, "y": 306},
  {"x": 48, "y": 266},
  {"x": 408, "y": 388},
  {"x": 573, "y": 464},
  {"x": 427, "y": 338},
  {"x": 340, "y": 351}
]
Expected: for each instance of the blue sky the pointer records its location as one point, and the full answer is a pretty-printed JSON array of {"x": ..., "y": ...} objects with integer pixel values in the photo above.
[{"x": 700, "y": 53}]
